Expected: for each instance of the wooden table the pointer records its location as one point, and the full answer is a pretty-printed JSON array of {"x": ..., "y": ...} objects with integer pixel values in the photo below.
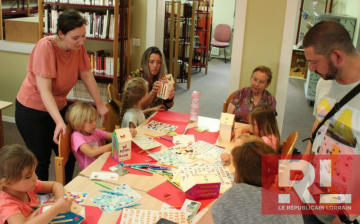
[{"x": 3, "y": 105}]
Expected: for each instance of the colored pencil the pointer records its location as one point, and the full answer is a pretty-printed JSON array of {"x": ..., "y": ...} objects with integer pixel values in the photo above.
[
  {"x": 167, "y": 139},
  {"x": 152, "y": 136},
  {"x": 148, "y": 171},
  {"x": 138, "y": 164},
  {"x": 62, "y": 221},
  {"x": 60, "y": 217},
  {"x": 178, "y": 187},
  {"x": 127, "y": 206},
  {"x": 186, "y": 129},
  {"x": 100, "y": 184},
  {"x": 220, "y": 146},
  {"x": 178, "y": 206},
  {"x": 167, "y": 174},
  {"x": 167, "y": 165},
  {"x": 112, "y": 192}
]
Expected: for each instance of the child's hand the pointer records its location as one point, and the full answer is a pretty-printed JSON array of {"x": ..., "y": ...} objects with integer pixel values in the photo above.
[
  {"x": 161, "y": 107},
  {"x": 238, "y": 132},
  {"x": 133, "y": 132},
  {"x": 63, "y": 205},
  {"x": 225, "y": 158}
]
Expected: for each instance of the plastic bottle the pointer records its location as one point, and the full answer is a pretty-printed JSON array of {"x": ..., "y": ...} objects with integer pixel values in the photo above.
[{"x": 194, "y": 107}]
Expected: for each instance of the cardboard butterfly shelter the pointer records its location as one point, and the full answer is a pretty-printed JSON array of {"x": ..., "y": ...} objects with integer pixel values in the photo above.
[
  {"x": 121, "y": 144},
  {"x": 167, "y": 83}
]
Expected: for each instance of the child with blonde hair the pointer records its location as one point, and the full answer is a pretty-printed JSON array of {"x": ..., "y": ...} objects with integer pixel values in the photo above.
[
  {"x": 19, "y": 185},
  {"x": 86, "y": 138},
  {"x": 241, "y": 139},
  {"x": 134, "y": 94}
]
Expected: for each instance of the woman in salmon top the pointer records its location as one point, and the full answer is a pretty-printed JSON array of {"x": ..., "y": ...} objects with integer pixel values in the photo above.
[{"x": 54, "y": 66}]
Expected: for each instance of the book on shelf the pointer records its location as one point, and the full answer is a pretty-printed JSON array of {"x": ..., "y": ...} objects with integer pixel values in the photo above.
[
  {"x": 83, "y": 2},
  {"x": 79, "y": 92},
  {"x": 102, "y": 64}
]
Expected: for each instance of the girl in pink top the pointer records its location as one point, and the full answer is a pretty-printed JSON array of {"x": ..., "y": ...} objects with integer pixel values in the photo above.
[
  {"x": 19, "y": 186},
  {"x": 86, "y": 138},
  {"x": 55, "y": 65}
]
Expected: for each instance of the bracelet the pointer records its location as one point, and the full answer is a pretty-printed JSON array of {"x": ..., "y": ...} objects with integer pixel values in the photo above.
[{"x": 169, "y": 100}]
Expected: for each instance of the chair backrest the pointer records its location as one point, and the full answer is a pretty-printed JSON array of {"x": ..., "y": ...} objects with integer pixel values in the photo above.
[
  {"x": 228, "y": 100},
  {"x": 64, "y": 151},
  {"x": 289, "y": 144},
  {"x": 113, "y": 92},
  {"x": 112, "y": 118},
  {"x": 222, "y": 33}
]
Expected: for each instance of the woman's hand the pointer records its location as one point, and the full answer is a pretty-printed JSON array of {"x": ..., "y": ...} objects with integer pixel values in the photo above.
[
  {"x": 102, "y": 111},
  {"x": 171, "y": 94},
  {"x": 60, "y": 127},
  {"x": 156, "y": 87}
]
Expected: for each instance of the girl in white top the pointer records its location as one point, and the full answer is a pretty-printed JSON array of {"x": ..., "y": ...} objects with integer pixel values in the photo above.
[{"x": 134, "y": 93}]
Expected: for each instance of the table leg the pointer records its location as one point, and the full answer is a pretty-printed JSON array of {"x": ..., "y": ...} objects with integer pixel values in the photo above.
[{"x": 2, "y": 141}]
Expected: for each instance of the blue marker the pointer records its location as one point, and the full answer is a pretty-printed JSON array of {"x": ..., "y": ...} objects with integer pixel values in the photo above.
[
  {"x": 127, "y": 206},
  {"x": 111, "y": 192}
]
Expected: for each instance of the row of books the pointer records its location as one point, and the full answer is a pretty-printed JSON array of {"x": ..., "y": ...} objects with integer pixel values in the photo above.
[
  {"x": 84, "y": 2},
  {"x": 79, "y": 92},
  {"x": 102, "y": 64},
  {"x": 98, "y": 26}
]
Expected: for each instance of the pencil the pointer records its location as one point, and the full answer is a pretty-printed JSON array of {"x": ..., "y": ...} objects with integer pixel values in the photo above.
[
  {"x": 127, "y": 206},
  {"x": 152, "y": 136},
  {"x": 60, "y": 217},
  {"x": 111, "y": 192},
  {"x": 186, "y": 129},
  {"x": 162, "y": 164},
  {"x": 135, "y": 168},
  {"x": 62, "y": 221},
  {"x": 100, "y": 184},
  {"x": 167, "y": 139},
  {"x": 178, "y": 206}
]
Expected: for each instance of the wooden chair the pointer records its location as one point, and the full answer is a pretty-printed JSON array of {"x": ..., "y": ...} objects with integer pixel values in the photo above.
[
  {"x": 289, "y": 144},
  {"x": 64, "y": 151},
  {"x": 112, "y": 118},
  {"x": 113, "y": 92},
  {"x": 226, "y": 103}
]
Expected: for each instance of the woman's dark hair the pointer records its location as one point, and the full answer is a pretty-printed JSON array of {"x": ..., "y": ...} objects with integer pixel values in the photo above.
[{"x": 69, "y": 20}]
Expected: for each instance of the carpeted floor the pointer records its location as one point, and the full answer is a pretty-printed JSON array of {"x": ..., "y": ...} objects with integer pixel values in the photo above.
[{"x": 214, "y": 90}]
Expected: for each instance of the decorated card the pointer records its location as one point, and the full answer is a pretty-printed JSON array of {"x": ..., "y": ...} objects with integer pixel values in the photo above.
[
  {"x": 186, "y": 152},
  {"x": 103, "y": 176},
  {"x": 159, "y": 126},
  {"x": 191, "y": 208},
  {"x": 79, "y": 197},
  {"x": 119, "y": 169},
  {"x": 110, "y": 202},
  {"x": 167, "y": 157},
  {"x": 145, "y": 142},
  {"x": 142, "y": 216}
]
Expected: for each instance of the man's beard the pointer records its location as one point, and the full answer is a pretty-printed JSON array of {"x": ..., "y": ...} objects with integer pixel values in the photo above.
[{"x": 331, "y": 74}]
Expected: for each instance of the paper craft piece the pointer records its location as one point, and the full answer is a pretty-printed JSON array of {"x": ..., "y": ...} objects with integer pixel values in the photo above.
[
  {"x": 74, "y": 216},
  {"x": 110, "y": 202},
  {"x": 227, "y": 123},
  {"x": 186, "y": 152},
  {"x": 167, "y": 157},
  {"x": 145, "y": 143},
  {"x": 201, "y": 186},
  {"x": 103, "y": 176},
  {"x": 159, "y": 126},
  {"x": 79, "y": 197},
  {"x": 183, "y": 139},
  {"x": 191, "y": 208},
  {"x": 119, "y": 169},
  {"x": 121, "y": 144},
  {"x": 177, "y": 196},
  {"x": 201, "y": 129},
  {"x": 167, "y": 84},
  {"x": 175, "y": 118},
  {"x": 170, "y": 133},
  {"x": 93, "y": 214},
  {"x": 141, "y": 216}
]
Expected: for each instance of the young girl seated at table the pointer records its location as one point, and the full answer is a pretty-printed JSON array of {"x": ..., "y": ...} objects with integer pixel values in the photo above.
[
  {"x": 262, "y": 123},
  {"x": 241, "y": 139},
  {"x": 246, "y": 201},
  {"x": 134, "y": 93},
  {"x": 19, "y": 185},
  {"x": 86, "y": 138}
]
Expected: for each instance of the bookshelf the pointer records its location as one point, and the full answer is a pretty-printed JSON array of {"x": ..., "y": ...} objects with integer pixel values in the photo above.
[
  {"x": 107, "y": 43},
  {"x": 188, "y": 25}
]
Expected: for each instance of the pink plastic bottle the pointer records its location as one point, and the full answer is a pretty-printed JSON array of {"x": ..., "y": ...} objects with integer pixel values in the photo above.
[{"x": 194, "y": 107}]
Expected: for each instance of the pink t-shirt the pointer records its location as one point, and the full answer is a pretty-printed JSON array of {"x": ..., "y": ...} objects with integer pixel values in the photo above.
[
  {"x": 10, "y": 206},
  {"x": 271, "y": 141},
  {"x": 77, "y": 139},
  {"x": 48, "y": 60}
]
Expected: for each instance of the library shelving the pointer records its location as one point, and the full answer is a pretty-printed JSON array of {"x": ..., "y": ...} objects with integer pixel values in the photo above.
[
  {"x": 188, "y": 24},
  {"x": 108, "y": 45}
]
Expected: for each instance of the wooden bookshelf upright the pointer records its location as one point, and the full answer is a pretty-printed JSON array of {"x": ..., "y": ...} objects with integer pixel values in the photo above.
[{"x": 121, "y": 10}]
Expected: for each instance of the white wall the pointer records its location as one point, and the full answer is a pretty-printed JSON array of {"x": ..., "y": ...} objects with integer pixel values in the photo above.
[
  {"x": 151, "y": 23},
  {"x": 223, "y": 13}
]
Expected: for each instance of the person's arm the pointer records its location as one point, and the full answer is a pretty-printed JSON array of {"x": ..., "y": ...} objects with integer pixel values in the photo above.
[
  {"x": 170, "y": 101},
  {"x": 95, "y": 151},
  {"x": 108, "y": 136},
  {"x": 132, "y": 129},
  {"x": 308, "y": 148},
  {"x": 230, "y": 109},
  {"x": 88, "y": 79},
  {"x": 53, "y": 187},
  {"x": 152, "y": 95},
  {"x": 61, "y": 206},
  {"x": 44, "y": 86},
  {"x": 153, "y": 109},
  {"x": 207, "y": 218}
]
